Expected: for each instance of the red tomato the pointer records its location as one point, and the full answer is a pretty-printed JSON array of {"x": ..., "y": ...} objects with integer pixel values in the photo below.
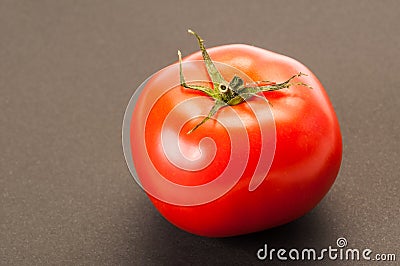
[{"x": 306, "y": 161}]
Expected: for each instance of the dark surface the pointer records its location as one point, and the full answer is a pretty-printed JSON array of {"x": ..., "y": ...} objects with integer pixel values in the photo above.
[{"x": 68, "y": 69}]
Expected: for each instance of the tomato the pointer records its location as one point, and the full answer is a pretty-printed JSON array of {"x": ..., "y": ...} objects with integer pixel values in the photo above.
[{"x": 299, "y": 153}]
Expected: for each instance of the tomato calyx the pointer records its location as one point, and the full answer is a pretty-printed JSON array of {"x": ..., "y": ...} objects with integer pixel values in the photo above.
[{"x": 229, "y": 93}]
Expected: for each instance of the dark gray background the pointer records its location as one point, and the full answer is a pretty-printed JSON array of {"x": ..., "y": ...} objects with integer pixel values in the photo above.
[{"x": 68, "y": 69}]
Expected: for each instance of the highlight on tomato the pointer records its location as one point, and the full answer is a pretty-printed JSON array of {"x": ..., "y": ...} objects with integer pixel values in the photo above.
[{"x": 232, "y": 140}]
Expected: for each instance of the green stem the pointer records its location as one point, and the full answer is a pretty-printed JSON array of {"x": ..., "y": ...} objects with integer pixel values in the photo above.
[{"x": 232, "y": 93}]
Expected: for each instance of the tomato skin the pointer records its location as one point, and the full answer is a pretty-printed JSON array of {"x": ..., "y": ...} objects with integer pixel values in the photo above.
[{"x": 307, "y": 156}]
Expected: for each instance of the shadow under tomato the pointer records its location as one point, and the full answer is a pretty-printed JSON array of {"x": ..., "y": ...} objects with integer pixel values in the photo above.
[
  {"x": 163, "y": 243},
  {"x": 308, "y": 228},
  {"x": 311, "y": 230}
]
